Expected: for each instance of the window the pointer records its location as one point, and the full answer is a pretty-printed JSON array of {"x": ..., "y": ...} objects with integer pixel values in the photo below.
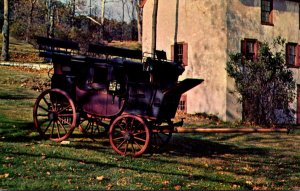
[
  {"x": 182, "y": 104},
  {"x": 293, "y": 54},
  {"x": 179, "y": 53},
  {"x": 249, "y": 49},
  {"x": 267, "y": 12}
]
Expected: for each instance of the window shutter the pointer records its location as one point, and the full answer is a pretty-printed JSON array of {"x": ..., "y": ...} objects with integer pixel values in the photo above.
[
  {"x": 185, "y": 54},
  {"x": 243, "y": 50},
  {"x": 298, "y": 55},
  {"x": 255, "y": 50},
  {"x": 287, "y": 54}
]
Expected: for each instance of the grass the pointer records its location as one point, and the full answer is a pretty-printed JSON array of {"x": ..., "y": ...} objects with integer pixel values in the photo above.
[
  {"x": 21, "y": 51},
  {"x": 189, "y": 161}
]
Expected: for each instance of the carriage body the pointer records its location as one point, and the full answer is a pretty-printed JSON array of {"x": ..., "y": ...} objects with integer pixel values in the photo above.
[{"x": 109, "y": 83}]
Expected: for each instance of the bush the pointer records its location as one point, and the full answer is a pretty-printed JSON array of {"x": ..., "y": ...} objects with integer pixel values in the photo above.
[{"x": 265, "y": 85}]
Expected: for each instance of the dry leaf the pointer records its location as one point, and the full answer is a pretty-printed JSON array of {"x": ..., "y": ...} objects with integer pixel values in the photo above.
[
  {"x": 9, "y": 158},
  {"x": 100, "y": 178},
  {"x": 108, "y": 187},
  {"x": 65, "y": 143},
  {"x": 177, "y": 187},
  {"x": 4, "y": 175}
]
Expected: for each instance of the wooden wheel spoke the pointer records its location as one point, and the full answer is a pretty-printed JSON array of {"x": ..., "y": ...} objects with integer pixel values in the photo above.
[
  {"x": 52, "y": 131},
  {"x": 64, "y": 109},
  {"x": 48, "y": 126},
  {"x": 140, "y": 139},
  {"x": 135, "y": 134},
  {"x": 121, "y": 144},
  {"x": 133, "y": 147},
  {"x": 131, "y": 123},
  {"x": 138, "y": 144},
  {"x": 57, "y": 127},
  {"x": 42, "y": 115},
  {"x": 127, "y": 143},
  {"x": 65, "y": 121},
  {"x": 118, "y": 138},
  {"x": 43, "y": 108},
  {"x": 61, "y": 125},
  {"x": 46, "y": 102}
]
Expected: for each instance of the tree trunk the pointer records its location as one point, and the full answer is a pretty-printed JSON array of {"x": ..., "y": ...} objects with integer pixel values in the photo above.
[
  {"x": 132, "y": 19},
  {"x": 103, "y": 19},
  {"x": 50, "y": 19},
  {"x": 123, "y": 19},
  {"x": 139, "y": 19},
  {"x": 29, "y": 19},
  {"x": 5, "y": 33},
  {"x": 154, "y": 27}
]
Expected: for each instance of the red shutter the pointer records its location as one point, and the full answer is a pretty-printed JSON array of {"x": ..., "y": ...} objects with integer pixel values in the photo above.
[
  {"x": 185, "y": 54},
  {"x": 243, "y": 50},
  {"x": 298, "y": 55},
  {"x": 257, "y": 46},
  {"x": 287, "y": 54}
]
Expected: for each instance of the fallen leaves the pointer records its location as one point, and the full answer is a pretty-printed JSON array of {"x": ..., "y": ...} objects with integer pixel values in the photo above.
[
  {"x": 5, "y": 175},
  {"x": 100, "y": 178}
]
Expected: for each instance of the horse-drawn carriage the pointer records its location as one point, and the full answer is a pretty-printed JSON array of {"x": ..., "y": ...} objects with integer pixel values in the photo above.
[{"x": 110, "y": 90}]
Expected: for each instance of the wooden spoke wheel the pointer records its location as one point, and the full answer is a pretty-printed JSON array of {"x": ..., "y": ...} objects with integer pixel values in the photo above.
[
  {"x": 94, "y": 127},
  {"x": 54, "y": 115},
  {"x": 160, "y": 135},
  {"x": 129, "y": 135}
]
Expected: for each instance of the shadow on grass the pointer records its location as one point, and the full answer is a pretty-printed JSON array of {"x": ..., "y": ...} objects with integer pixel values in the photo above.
[{"x": 132, "y": 167}]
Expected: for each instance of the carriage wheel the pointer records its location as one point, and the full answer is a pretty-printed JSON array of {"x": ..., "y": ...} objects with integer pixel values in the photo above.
[
  {"x": 129, "y": 135},
  {"x": 160, "y": 136},
  {"x": 94, "y": 127},
  {"x": 54, "y": 115}
]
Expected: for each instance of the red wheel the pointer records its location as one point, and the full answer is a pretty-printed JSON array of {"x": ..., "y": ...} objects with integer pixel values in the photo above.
[
  {"x": 129, "y": 135},
  {"x": 54, "y": 115},
  {"x": 94, "y": 127},
  {"x": 161, "y": 134}
]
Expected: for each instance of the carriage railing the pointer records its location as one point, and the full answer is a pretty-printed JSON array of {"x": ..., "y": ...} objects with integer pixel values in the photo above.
[{"x": 49, "y": 47}]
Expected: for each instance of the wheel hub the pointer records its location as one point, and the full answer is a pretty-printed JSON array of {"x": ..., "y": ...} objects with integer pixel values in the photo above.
[
  {"x": 53, "y": 116},
  {"x": 128, "y": 136}
]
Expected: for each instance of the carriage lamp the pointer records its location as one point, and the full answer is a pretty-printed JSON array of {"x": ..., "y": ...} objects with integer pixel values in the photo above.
[{"x": 114, "y": 86}]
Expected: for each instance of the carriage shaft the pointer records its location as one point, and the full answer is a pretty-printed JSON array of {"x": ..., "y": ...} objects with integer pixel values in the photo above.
[{"x": 230, "y": 130}]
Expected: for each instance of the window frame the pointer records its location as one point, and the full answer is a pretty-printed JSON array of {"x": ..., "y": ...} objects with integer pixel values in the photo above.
[
  {"x": 296, "y": 55},
  {"x": 182, "y": 105},
  {"x": 244, "y": 47},
  {"x": 269, "y": 20},
  {"x": 179, "y": 53}
]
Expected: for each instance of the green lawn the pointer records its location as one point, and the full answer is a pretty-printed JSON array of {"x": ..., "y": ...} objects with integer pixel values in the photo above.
[{"x": 190, "y": 161}]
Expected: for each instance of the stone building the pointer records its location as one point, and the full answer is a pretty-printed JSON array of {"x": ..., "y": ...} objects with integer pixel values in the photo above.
[{"x": 205, "y": 31}]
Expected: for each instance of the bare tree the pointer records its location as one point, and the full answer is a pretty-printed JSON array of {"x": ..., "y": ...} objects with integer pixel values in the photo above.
[
  {"x": 139, "y": 18},
  {"x": 50, "y": 28},
  {"x": 29, "y": 19},
  {"x": 5, "y": 32},
  {"x": 123, "y": 18}
]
